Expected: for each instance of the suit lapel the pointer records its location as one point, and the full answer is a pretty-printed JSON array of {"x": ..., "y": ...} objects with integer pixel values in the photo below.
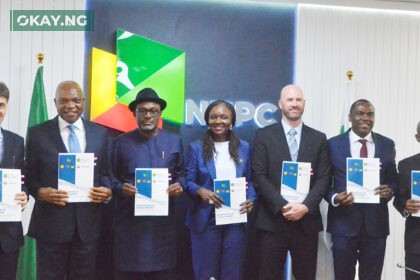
[
  {"x": 55, "y": 135},
  {"x": 240, "y": 166},
  {"x": 211, "y": 168},
  {"x": 345, "y": 145},
  {"x": 89, "y": 135},
  {"x": 7, "y": 150},
  {"x": 378, "y": 147},
  {"x": 304, "y": 144},
  {"x": 279, "y": 135},
  {"x": 342, "y": 150}
]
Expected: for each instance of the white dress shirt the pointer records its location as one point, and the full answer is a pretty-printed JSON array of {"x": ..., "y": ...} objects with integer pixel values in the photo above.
[
  {"x": 355, "y": 146},
  {"x": 298, "y": 129},
  {"x": 79, "y": 130}
]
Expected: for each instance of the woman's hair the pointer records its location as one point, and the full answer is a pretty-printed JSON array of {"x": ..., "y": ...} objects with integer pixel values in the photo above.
[{"x": 207, "y": 139}]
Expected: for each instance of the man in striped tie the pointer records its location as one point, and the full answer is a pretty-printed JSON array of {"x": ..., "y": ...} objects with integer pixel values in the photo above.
[{"x": 282, "y": 225}]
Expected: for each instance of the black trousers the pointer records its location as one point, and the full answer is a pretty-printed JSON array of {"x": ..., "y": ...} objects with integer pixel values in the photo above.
[
  {"x": 273, "y": 252},
  {"x": 74, "y": 260},
  {"x": 368, "y": 251},
  {"x": 412, "y": 261},
  {"x": 8, "y": 265}
]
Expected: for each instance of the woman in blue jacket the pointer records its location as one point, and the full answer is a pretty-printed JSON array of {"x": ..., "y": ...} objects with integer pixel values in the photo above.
[{"x": 217, "y": 250}]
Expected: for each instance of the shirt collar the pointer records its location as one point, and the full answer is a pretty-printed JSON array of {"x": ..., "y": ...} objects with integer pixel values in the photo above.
[
  {"x": 287, "y": 127},
  {"x": 62, "y": 124},
  {"x": 1, "y": 133},
  {"x": 354, "y": 137}
]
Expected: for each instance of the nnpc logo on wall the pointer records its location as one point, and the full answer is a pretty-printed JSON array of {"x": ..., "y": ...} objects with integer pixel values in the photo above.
[
  {"x": 139, "y": 63},
  {"x": 51, "y": 20}
]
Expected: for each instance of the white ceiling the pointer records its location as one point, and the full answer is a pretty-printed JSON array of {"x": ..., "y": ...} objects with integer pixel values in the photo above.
[{"x": 410, "y": 5}]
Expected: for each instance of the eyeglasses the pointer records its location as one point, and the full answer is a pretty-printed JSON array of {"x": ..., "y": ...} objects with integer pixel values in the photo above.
[{"x": 152, "y": 112}]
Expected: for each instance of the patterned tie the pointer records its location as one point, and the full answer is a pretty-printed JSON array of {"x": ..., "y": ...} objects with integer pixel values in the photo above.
[
  {"x": 293, "y": 147},
  {"x": 73, "y": 142},
  {"x": 363, "y": 149}
]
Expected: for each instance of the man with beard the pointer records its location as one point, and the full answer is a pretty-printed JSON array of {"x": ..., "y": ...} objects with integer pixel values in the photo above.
[
  {"x": 66, "y": 233},
  {"x": 282, "y": 225},
  {"x": 145, "y": 246},
  {"x": 359, "y": 230}
]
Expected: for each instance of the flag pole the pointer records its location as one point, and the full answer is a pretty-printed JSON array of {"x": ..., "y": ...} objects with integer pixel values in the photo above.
[
  {"x": 348, "y": 99},
  {"x": 344, "y": 126},
  {"x": 40, "y": 57},
  {"x": 349, "y": 75},
  {"x": 38, "y": 113}
]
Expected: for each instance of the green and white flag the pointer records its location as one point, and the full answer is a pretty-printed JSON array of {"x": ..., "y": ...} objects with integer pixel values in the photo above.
[{"x": 38, "y": 114}]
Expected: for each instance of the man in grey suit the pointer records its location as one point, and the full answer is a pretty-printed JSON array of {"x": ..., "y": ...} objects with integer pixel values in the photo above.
[
  {"x": 407, "y": 206},
  {"x": 282, "y": 225},
  {"x": 66, "y": 233}
]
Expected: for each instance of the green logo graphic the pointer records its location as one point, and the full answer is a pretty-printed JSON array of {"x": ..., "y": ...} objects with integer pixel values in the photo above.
[
  {"x": 145, "y": 63},
  {"x": 51, "y": 20}
]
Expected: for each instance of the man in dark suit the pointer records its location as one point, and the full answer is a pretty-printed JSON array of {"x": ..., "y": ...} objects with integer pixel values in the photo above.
[
  {"x": 359, "y": 230},
  {"x": 289, "y": 226},
  {"x": 66, "y": 233},
  {"x": 11, "y": 156},
  {"x": 406, "y": 206}
]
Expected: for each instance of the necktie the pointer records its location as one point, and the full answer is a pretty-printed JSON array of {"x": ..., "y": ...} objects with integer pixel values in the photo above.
[
  {"x": 73, "y": 142},
  {"x": 293, "y": 147},
  {"x": 363, "y": 149}
]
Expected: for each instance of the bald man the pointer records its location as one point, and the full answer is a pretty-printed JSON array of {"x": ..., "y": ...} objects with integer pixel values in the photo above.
[
  {"x": 66, "y": 233},
  {"x": 282, "y": 225},
  {"x": 407, "y": 206}
]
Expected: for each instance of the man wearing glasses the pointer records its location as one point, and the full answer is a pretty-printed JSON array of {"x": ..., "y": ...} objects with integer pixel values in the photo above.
[{"x": 145, "y": 246}]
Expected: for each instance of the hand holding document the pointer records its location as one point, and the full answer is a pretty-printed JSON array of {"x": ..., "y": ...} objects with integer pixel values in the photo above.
[
  {"x": 152, "y": 198},
  {"x": 363, "y": 179},
  {"x": 415, "y": 189},
  {"x": 233, "y": 193},
  {"x": 75, "y": 175},
  {"x": 295, "y": 180},
  {"x": 10, "y": 185}
]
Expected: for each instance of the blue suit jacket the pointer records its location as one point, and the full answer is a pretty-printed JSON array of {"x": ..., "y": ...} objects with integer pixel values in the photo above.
[
  {"x": 348, "y": 220},
  {"x": 49, "y": 222},
  {"x": 201, "y": 175},
  {"x": 11, "y": 233}
]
